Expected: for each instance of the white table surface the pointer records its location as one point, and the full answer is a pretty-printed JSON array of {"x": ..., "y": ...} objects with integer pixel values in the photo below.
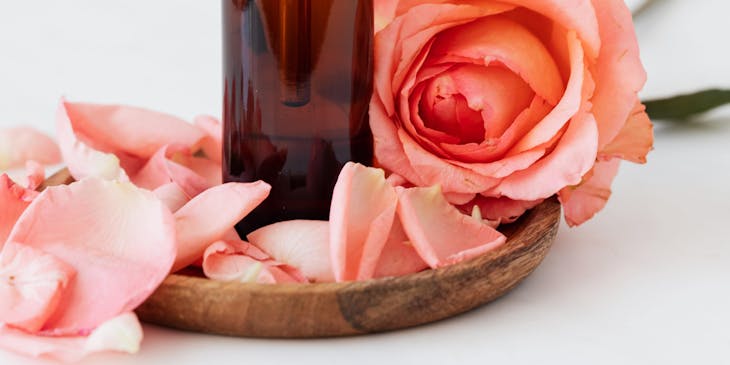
[{"x": 648, "y": 281}]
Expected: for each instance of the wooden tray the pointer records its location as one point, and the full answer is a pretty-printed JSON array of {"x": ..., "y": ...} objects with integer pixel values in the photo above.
[{"x": 339, "y": 309}]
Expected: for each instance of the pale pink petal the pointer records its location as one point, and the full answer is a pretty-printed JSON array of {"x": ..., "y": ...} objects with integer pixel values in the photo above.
[
  {"x": 634, "y": 141},
  {"x": 398, "y": 257},
  {"x": 31, "y": 286},
  {"x": 210, "y": 215},
  {"x": 119, "y": 239},
  {"x": 619, "y": 74},
  {"x": 240, "y": 261},
  {"x": 209, "y": 170},
  {"x": 439, "y": 232},
  {"x": 36, "y": 174},
  {"x": 81, "y": 159},
  {"x": 582, "y": 202},
  {"x": 172, "y": 195},
  {"x": 135, "y": 131},
  {"x": 120, "y": 334},
  {"x": 161, "y": 170},
  {"x": 22, "y": 144},
  {"x": 212, "y": 144},
  {"x": 361, "y": 216},
  {"x": 300, "y": 244},
  {"x": 14, "y": 199}
]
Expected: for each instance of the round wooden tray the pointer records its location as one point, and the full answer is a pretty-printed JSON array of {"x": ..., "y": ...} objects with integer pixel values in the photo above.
[{"x": 339, "y": 309}]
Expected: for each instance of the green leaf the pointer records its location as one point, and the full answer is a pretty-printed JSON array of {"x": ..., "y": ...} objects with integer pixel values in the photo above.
[{"x": 685, "y": 106}]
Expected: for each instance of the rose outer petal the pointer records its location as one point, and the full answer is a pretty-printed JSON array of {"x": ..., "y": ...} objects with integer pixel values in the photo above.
[
  {"x": 439, "y": 232},
  {"x": 22, "y": 144},
  {"x": 582, "y": 202},
  {"x": 634, "y": 141},
  {"x": 119, "y": 239},
  {"x": 619, "y": 74}
]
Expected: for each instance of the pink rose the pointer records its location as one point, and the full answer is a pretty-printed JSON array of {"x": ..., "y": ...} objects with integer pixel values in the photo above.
[{"x": 507, "y": 103}]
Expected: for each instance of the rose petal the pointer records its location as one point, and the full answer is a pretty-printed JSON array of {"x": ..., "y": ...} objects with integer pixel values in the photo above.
[
  {"x": 300, "y": 244},
  {"x": 619, "y": 74},
  {"x": 501, "y": 210},
  {"x": 439, "y": 232},
  {"x": 635, "y": 140},
  {"x": 398, "y": 257},
  {"x": 118, "y": 238},
  {"x": 120, "y": 334},
  {"x": 14, "y": 199},
  {"x": 243, "y": 262},
  {"x": 31, "y": 285},
  {"x": 173, "y": 196},
  {"x": 135, "y": 131},
  {"x": 160, "y": 170},
  {"x": 23, "y": 144},
  {"x": 384, "y": 13},
  {"x": 572, "y": 158},
  {"x": 212, "y": 144},
  {"x": 400, "y": 43},
  {"x": 81, "y": 159},
  {"x": 210, "y": 215},
  {"x": 582, "y": 202},
  {"x": 361, "y": 216},
  {"x": 570, "y": 14},
  {"x": 500, "y": 40},
  {"x": 576, "y": 92}
]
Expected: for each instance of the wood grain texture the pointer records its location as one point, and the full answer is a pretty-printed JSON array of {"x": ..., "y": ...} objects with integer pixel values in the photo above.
[{"x": 339, "y": 309}]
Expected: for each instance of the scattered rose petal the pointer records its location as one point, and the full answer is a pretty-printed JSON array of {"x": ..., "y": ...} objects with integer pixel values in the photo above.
[
  {"x": 439, "y": 232},
  {"x": 22, "y": 144},
  {"x": 211, "y": 215},
  {"x": 361, "y": 216},
  {"x": 301, "y": 244},
  {"x": 135, "y": 131},
  {"x": 82, "y": 160},
  {"x": 118, "y": 238},
  {"x": 172, "y": 195},
  {"x": 120, "y": 334},
  {"x": 161, "y": 170},
  {"x": 14, "y": 199},
  {"x": 31, "y": 285},
  {"x": 212, "y": 145},
  {"x": 240, "y": 261},
  {"x": 398, "y": 257}
]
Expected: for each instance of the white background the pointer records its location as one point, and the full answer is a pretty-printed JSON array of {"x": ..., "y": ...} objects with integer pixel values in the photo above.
[{"x": 648, "y": 281}]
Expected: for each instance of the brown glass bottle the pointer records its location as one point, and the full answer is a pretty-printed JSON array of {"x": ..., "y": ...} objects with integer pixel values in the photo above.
[{"x": 298, "y": 82}]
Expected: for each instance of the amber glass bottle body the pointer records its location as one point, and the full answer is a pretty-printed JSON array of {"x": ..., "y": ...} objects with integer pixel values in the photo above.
[{"x": 298, "y": 82}]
